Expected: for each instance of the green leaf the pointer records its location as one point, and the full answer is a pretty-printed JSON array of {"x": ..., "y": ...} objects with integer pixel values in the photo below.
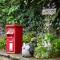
[
  {"x": 2, "y": 1},
  {"x": 13, "y": 9},
  {"x": 6, "y": 10}
]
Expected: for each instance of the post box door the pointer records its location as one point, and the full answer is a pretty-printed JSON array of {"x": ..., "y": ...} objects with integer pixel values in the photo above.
[{"x": 10, "y": 40}]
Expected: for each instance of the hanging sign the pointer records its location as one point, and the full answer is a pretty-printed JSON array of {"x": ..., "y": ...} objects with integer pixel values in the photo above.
[{"x": 48, "y": 11}]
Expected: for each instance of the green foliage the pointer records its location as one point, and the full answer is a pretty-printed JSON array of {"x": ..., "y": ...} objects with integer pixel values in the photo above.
[
  {"x": 27, "y": 37},
  {"x": 56, "y": 22},
  {"x": 47, "y": 46},
  {"x": 2, "y": 1},
  {"x": 41, "y": 52},
  {"x": 13, "y": 9},
  {"x": 3, "y": 43},
  {"x": 55, "y": 52},
  {"x": 11, "y": 20},
  {"x": 25, "y": 12}
]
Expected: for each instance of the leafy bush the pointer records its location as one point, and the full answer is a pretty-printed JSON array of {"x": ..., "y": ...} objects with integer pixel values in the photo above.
[
  {"x": 41, "y": 52},
  {"x": 2, "y": 43},
  {"x": 27, "y": 37},
  {"x": 55, "y": 52},
  {"x": 47, "y": 46}
]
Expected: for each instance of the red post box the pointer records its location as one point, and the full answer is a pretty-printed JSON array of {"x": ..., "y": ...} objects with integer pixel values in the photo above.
[{"x": 14, "y": 34}]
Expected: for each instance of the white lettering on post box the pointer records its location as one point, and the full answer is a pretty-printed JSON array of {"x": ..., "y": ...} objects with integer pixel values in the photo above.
[{"x": 11, "y": 46}]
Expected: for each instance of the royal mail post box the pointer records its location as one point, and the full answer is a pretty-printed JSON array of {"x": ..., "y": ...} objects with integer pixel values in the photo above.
[{"x": 14, "y": 34}]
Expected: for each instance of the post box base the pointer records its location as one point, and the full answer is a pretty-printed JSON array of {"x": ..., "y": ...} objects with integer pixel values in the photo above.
[{"x": 13, "y": 53}]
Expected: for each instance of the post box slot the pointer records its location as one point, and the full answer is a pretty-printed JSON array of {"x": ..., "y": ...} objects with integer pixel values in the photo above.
[{"x": 9, "y": 36}]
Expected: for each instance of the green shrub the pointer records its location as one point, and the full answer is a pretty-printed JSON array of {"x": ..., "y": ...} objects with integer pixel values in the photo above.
[
  {"x": 27, "y": 37},
  {"x": 41, "y": 52},
  {"x": 55, "y": 52},
  {"x": 48, "y": 46},
  {"x": 3, "y": 43}
]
